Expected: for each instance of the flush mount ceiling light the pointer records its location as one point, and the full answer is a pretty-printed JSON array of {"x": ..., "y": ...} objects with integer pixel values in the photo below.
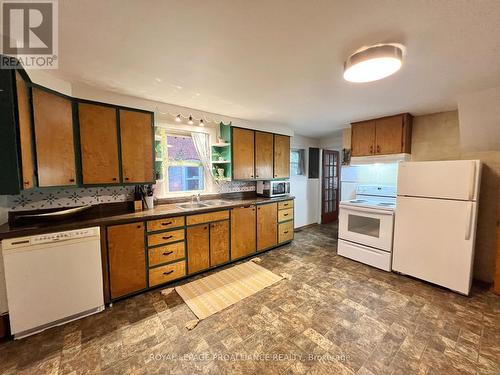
[{"x": 373, "y": 63}]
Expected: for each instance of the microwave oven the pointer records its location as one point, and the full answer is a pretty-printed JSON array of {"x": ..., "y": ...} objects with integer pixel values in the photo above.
[{"x": 273, "y": 188}]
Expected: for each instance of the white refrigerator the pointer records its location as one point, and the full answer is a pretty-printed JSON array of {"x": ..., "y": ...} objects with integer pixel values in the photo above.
[{"x": 435, "y": 221}]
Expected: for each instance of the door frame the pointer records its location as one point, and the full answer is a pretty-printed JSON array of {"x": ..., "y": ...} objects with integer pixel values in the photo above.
[{"x": 324, "y": 218}]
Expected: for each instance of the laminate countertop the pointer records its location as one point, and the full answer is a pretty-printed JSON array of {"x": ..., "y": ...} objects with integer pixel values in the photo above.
[{"x": 160, "y": 211}]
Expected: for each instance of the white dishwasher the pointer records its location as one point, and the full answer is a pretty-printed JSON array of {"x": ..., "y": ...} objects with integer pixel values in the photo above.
[{"x": 52, "y": 279}]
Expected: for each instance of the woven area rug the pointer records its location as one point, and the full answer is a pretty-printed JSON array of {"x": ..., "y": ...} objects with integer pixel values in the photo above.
[{"x": 215, "y": 292}]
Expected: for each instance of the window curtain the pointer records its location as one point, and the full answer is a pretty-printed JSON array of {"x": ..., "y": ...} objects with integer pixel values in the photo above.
[{"x": 201, "y": 142}]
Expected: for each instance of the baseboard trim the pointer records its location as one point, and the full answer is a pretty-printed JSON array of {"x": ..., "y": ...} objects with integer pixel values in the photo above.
[{"x": 305, "y": 227}]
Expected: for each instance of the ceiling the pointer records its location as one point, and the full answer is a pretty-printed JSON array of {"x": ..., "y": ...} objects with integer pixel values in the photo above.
[{"x": 280, "y": 61}]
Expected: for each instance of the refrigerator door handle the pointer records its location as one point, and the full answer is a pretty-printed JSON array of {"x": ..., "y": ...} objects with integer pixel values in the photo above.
[
  {"x": 468, "y": 226},
  {"x": 472, "y": 181}
]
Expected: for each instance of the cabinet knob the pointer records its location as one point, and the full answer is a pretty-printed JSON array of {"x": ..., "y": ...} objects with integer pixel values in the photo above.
[
  {"x": 378, "y": 149},
  {"x": 71, "y": 180},
  {"x": 205, "y": 227},
  {"x": 126, "y": 178},
  {"x": 371, "y": 149},
  {"x": 113, "y": 179},
  {"x": 139, "y": 226},
  {"x": 26, "y": 182},
  {"x": 251, "y": 175}
]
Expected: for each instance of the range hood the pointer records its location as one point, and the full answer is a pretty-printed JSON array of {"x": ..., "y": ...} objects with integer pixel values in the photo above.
[{"x": 393, "y": 158}]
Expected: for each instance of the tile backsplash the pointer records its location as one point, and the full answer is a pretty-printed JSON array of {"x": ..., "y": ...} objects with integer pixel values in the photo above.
[{"x": 70, "y": 197}]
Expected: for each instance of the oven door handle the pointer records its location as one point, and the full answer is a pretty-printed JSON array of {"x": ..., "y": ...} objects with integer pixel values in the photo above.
[{"x": 367, "y": 210}]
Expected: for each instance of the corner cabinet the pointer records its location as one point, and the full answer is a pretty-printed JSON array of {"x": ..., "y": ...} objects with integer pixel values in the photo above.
[
  {"x": 136, "y": 138},
  {"x": 259, "y": 155},
  {"x": 383, "y": 136},
  {"x": 55, "y": 148}
]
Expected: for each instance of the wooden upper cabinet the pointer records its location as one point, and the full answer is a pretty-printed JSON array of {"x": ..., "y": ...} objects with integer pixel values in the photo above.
[
  {"x": 281, "y": 156},
  {"x": 389, "y": 135},
  {"x": 198, "y": 248},
  {"x": 25, "y": 134},
  {"x": 55, "y": 151},
  {"x": 243, "y": 231},
  {"x": 363, "y": 138},
  {"x": 136, "y": 134},
  {"x": 98, "y": 144},
  {"x": 127, "y": 260},
  {"x": 263, "y": 155},
  {"x": 383, "y": 136},
  {"x": 267, "y": 227},
  {"x": 243, "y": 154},
  {"x": 219, "y": 242}
]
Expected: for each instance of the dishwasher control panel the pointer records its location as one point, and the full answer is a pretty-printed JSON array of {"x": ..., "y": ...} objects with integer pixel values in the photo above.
[{"x": 50, "y": 238}]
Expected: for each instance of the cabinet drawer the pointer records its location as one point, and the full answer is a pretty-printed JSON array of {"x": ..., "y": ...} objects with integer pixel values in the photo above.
[
  {"x": 167, "y": 223},
  {"x": 163, "y": 274},
  {"x": 167, "y": 253},
  {"x": 285, "y": 232},
  {"x": 285, "y": 204},
  {"x": 165, "y": 237},
  {"x": 284, "y": 215},
  {"x": 205, "y": 218}
]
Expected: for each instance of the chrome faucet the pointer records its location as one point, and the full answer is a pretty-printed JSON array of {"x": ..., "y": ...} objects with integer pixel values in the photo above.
[{"x": 198, "y": 198}]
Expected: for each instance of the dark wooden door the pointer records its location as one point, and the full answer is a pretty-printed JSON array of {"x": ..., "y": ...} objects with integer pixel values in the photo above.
[{"x": 330, "y": 187}]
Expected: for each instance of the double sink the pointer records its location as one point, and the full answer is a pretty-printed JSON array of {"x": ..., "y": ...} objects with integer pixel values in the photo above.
[{"x": 210, "y": 203}]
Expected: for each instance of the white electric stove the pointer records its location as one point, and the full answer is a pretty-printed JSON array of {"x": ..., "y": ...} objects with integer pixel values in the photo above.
[{"x": 366, "y": 226}]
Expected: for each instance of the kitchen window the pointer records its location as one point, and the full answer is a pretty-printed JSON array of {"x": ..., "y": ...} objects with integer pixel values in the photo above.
[
  {"x": 178, "y": 165},
  {"x": 297, "y": 162}
]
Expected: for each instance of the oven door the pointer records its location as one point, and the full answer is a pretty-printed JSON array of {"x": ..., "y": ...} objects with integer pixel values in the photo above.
[{"x": 366, "y": 226}]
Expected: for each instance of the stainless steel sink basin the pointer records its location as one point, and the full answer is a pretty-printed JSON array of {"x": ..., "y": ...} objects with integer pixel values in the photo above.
[
  {"x": 216, "y": 202},
  {"x": 187, "y": 206}
]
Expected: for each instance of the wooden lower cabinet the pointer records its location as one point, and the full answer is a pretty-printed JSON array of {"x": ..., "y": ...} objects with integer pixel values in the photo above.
[
  {"x": 285, "y": 232},
  {"x": 267, "y": 229},
  {"x": 127, "y": 260},
  {"x": 219, "y": 242},
  {"x": 169, "y": 272},
  {"x": 198, "y": 248},
  {"x": 243, "y": 231}
]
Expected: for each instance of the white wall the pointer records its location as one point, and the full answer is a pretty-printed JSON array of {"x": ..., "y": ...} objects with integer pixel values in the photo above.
[
  {"x": 332, "y": 142},
  {"x": 305, "y": 190}
]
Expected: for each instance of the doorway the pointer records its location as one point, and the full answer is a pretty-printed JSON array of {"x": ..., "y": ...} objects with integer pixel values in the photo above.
[{"x": 330, "y": 186}]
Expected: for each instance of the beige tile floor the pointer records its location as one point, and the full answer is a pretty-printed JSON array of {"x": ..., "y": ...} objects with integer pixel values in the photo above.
[{"x": 335, "y": 316}]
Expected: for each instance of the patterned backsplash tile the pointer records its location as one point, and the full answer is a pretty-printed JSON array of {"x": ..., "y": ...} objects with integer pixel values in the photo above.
[{"x": 71, "y": 197}]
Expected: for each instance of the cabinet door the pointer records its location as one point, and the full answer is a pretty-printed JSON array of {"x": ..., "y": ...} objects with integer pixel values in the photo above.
[
  {"x": 243, "y": 154},
  {"x": 267, "y": 227},
  {"x": 127, "y": 260},
  {"x": 263, "y": 155},
  {"x": 136, "y": 134},
  {"x": 389, "y": 135},
  {"x": 24, "y": 115},
  {"x": 242, "y": 231},
  {"x": 55, "y": 151},
  {"x": 198, "y": 244},
  {"x": 363, "y": 138},
  {"x": 98, "y": 144},
  {"x": 281, "y": 156},
  {"x": 219, "y": 242}
]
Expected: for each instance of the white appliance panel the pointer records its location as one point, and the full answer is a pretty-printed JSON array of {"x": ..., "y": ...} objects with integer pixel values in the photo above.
[
  {"x": 454, "y": 179},
  {"x": 367, "y": 255},
  {"x": 347, "y": 190},
  {"x": 434, "y": 241},
  {"x": 48, "y": 282},
  {"x": 3, "y": 291},
  {"x": 367, "y": 226}
]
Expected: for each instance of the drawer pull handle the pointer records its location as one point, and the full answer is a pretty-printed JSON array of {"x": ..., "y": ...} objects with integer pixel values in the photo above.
[
  {"x": 167, "y": 223},
  {"x": 168, "y": 273},
  {"x": 168, "y": 253},
  {"x": 285, "y": 214},
  {"x": 285, "y": 232},
  {"x": 167, "y": 237}
]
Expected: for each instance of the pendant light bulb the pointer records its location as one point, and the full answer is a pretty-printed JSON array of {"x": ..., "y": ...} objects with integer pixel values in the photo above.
[
  {"x": 178, "y": 118},
  {"x": 190, "y": 121},
  {"x": 202, "y": 123}
]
